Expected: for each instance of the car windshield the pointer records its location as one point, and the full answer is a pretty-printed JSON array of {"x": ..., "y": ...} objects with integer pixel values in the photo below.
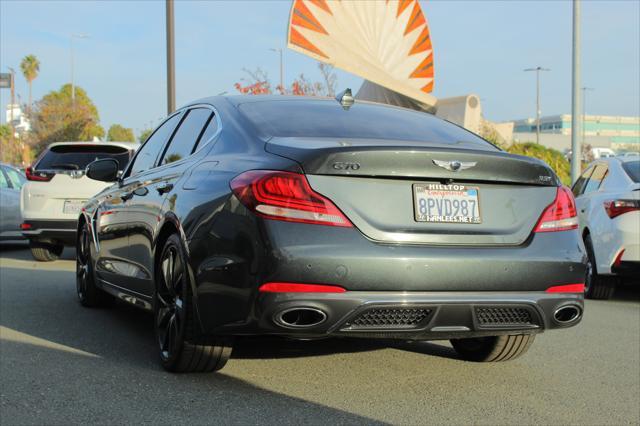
[
  {"x": 633, "y": 169},
  {"x": 77, "y": 157},
  {"x": 327, "y": 119}
]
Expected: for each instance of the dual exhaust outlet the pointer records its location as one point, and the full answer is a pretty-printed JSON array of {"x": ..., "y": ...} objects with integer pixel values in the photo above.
[{"x": 306, "y": 317}]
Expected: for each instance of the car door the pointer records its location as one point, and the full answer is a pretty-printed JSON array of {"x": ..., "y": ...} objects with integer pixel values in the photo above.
[
  {"x": 115, "y": 216},
  {"x": 9, "y": 204},
  {"x": 157, "y": 186},
  {"x": 585, "y": 200}
]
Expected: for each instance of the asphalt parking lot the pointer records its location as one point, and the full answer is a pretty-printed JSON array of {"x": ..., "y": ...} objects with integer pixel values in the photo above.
[{"x": 62, "y": 364}]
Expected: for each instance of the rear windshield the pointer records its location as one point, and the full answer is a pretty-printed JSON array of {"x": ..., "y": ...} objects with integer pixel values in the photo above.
[
  {"x": 327, "y": 119},
  {"x": 77, "y": 157},
  {"x": 633, "y": 170}
]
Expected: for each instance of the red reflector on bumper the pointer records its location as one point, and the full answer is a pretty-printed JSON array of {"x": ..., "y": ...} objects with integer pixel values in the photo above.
[
  {"x": 618, "y": 259},
  {"x": 299, "y": 288},
  {"x": 568, "y": 288},
  {"x": 25, "y": 226}
]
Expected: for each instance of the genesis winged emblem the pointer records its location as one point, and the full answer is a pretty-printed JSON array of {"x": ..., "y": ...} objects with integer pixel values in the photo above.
[{"x": 454, "y": 166}]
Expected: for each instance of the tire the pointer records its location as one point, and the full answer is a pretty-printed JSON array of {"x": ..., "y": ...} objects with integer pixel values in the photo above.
[
  {"x": 597, "y": 286},
  {"x": 44, "y": 252},
  {"x": 175, "y": 321},
  {"x": 493, "y": 348},
  {"x": 89, "y": 295}
]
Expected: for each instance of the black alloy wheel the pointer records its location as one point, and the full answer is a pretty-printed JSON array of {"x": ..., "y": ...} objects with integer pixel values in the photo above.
[
  {"x": 170, "y": 309},
  {"x": 88, "y": 294},
  {"x": 175, "y": 319},
  {"x": 596, "y": 286}
]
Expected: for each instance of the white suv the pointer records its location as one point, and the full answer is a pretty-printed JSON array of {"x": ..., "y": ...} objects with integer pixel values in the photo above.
[{"x": 57, "y": 189}]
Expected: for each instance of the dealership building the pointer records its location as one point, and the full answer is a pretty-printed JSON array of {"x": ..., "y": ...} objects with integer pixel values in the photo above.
[{"x": 614, "y": 132}]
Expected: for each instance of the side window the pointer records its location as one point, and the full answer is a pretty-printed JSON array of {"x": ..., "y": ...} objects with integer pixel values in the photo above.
[
  {"x": 184, "y": 141},
  {"x": 211, "y": 130},
  {"x": 582, "y": 180},
  {"x": 16, "y": 179},
  {"x": 596, "y": 178},
  {"x": 149, "y": 152},
  {"x": 3, "y": 180}
]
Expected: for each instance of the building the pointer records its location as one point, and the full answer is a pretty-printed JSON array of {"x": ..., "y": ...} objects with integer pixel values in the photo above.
[
  {"x": 614, "y": 132},
  {"x": 15, "y": 116}
]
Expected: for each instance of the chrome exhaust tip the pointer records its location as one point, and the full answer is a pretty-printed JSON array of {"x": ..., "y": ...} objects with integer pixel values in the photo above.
[
  {"x": 300, "y": 317},
  {"x": 567, "y": 314}
]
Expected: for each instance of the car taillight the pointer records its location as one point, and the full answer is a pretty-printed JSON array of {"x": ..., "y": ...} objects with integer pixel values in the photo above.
[
  {"x": 559, "y": 215},
  {"x": 617, "y": 207},
  {"x": 38, "y": 176},
  {"x": 285, "y": 196}
]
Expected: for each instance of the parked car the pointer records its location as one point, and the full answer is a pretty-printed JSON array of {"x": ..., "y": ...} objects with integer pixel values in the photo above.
[
  {"x": 602, "y": 153},
  {"x": 11, "y": 180},
  {"x": 305, "y": 218},
  {"x": 608, "y": 200},
  {"x": 56, "y": 190}
]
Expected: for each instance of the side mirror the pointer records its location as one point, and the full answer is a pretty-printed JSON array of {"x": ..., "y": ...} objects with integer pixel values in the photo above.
[{"x": 105, "y": 170}]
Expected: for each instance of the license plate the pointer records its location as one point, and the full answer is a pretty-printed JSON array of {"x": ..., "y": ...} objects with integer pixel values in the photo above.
[
  {"x": 73, "y": 206},
  {"x": 446, "y": 203}
]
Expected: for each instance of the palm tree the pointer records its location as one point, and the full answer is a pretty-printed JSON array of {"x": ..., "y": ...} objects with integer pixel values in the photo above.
[{"x": 30, "y": 67}]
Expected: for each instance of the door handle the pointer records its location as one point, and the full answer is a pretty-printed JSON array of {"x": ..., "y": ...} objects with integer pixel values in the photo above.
[
  {"x": 127, "y": 196},
  {"x": 164, "y": 188}
]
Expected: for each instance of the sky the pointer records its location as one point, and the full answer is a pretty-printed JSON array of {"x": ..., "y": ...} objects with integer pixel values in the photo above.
[{"x": 480, "y": 47}]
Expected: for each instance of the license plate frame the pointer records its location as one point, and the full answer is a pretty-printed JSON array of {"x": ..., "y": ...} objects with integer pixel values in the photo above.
[
  {"x": 451, "y": 192},
  {"x": 73, "y": 206}
]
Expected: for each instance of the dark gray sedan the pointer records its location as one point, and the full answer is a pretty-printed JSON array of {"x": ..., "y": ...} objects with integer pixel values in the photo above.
[{"x": 297, "y": 217}]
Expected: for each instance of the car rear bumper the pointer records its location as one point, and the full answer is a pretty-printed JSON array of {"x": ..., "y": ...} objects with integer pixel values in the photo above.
[
  {"x": 448, "y": 280},
  {"x": 413, "y": 315},
  {"x": 59, "y": 231}
]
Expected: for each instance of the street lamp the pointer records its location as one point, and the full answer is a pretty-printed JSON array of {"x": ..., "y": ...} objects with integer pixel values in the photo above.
[
  {"x": 584, "y": 111},
  {"x": 537, "y": 70},
  {"x": 171, "y": 59},
  {"x": 73, "y": 87},
  {"x": 279, "y": 50}
]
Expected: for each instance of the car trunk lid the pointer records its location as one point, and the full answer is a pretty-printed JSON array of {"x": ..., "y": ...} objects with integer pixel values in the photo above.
[{"x": 374, "y": 183}]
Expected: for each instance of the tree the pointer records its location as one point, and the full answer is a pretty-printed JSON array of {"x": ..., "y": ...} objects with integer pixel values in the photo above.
[
  {"x": 9, "y": 147},
  {"x": 30, "y": 67},
  {"x": 56, "y": 118},
  {"x": 258, "y": 83},
  {"x": 118, "y": 133},
  {"x": 144, "y": 135}
]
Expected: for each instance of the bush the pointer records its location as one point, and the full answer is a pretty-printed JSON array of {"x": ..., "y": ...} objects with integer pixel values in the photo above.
[{"x": 552, "y": 157}]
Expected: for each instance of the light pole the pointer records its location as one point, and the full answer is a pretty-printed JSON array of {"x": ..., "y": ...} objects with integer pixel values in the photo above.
[
  {"x": 537, "y": 70},
  {"x": 575, "y": 96},
  {"x": 584, "y": 111},
  {"x": 73, "y": 87},
  {"x": 171, "y": 66},
  {"x": 279, "y": 50}
]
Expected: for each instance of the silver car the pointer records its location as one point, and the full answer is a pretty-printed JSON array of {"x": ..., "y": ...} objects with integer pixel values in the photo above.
[{"x": 11, "y": 181}]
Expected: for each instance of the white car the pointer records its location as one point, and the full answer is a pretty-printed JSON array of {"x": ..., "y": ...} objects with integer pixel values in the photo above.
[
  {"x": 602, "y": 153},
  {"x": 608, "y": 202},
  {"x": 57, "y": 189}
]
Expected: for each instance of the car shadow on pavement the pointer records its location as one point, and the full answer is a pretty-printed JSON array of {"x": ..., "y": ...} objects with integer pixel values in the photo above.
[{"x": 277, "y": 347}]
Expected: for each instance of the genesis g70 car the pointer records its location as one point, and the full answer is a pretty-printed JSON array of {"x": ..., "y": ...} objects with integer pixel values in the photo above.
[{"x": 296, "y": 217}]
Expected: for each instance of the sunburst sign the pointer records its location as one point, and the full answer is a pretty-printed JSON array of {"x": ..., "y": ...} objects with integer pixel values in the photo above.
[{"x": 386, "y": 42}]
